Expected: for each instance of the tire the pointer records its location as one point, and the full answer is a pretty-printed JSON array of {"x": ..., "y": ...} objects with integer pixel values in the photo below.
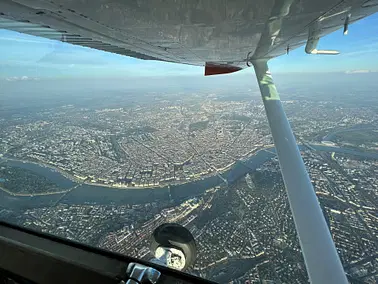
[{"x": 173, "y": 235}]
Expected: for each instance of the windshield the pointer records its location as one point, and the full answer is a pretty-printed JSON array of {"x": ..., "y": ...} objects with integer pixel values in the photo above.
[{"x": 102, "y": 149}]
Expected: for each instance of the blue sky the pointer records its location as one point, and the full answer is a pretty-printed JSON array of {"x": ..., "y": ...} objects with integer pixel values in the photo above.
[{"x": 24, "y": 55}]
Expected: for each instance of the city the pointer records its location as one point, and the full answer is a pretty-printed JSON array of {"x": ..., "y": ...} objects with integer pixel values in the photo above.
[{"x": 242, "y": 224}]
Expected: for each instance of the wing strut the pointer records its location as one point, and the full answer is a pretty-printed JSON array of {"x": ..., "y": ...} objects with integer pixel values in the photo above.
[{"x": 319, "y": 252}]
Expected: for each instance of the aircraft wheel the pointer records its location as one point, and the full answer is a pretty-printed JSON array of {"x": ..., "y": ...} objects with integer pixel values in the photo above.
[{"x": 178, "y": 241}]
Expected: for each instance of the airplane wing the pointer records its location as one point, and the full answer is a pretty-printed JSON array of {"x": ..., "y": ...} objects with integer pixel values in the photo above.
[{"x": 189, "y": 32}]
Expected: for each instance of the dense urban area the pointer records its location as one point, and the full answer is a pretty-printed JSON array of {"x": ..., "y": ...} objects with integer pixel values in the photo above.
[{"x": 243, "y": 226}]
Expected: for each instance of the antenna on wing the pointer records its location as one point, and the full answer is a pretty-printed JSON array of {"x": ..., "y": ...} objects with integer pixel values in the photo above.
[
  {"x": 311, "y": 48},
  {"x": 313, "y": 39},
  {"x": 346, "y": 24}
]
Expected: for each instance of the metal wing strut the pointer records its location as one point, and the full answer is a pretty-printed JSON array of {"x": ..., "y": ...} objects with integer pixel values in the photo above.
[{"x": 319, "y": 251}]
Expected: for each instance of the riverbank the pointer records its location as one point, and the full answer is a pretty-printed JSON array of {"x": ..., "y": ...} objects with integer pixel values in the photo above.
[
  {"x": 174, "y": 193},
  {"x": 93, "y": 194},
  {"x": 31, "y": 195},
  {"x": 74, "y": 179},
  {"x": 42, "y": 164}
]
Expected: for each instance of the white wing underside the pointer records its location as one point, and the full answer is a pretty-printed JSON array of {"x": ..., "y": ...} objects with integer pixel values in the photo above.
[{"x": 186, "y": 31}]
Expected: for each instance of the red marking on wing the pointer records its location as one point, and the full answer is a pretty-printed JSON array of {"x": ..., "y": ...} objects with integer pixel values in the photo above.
[{"x": 216, "y": 69}]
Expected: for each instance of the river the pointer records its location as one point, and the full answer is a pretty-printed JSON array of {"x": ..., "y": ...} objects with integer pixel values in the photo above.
[
  {"x": 331, "y": 136},
  {"x": 104, "y": 195}
]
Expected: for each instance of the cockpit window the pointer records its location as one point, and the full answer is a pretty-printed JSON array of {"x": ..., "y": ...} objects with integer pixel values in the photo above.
[{"x": 103, "y": 149}]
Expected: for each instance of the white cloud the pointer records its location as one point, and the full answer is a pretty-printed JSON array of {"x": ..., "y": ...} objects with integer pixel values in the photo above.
[
  {"x": 21, "y": 78},
  {"x": 357, "y": 71}
]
